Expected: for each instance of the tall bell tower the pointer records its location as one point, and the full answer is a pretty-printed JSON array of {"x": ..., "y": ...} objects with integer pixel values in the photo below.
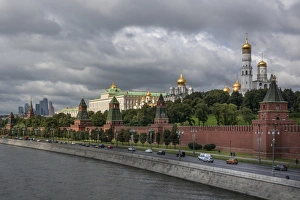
[{"x": 246, "y": 70}]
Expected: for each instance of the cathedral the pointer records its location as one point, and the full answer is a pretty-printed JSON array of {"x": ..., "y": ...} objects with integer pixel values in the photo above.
[
  {"x": 262, "y": 81},
  {"x": 180, "y": 91}
]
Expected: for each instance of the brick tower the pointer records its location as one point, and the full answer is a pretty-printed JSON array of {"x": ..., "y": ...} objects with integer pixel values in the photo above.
[
  {"x": 30, "y": 110},
  {"x": 82, "y": 120},
  {"x": 273, "y": 117}
]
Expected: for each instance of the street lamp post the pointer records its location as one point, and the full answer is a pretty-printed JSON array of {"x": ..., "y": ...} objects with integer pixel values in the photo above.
[
  {"x": 179, "y": 133},
  {"x": 259, "y": 132},
  {"x": 116, "y": 137},
  {"x": 193, "y": 137},
  {"x": 23, "y": 129},
  {"x": 131, "y": 140},
  {"x": 36, "y": 131},
  {"x": 273, "y": 132},
  {"x": 97, "y": 130},
  {"x": 230, "y": 148},
  {"x": 52, "y": 130},
  {"x": 150, "y": 137}
]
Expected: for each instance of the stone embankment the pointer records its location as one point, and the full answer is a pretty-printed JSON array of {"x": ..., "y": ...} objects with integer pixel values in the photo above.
[{"x": 261, "y": 186}]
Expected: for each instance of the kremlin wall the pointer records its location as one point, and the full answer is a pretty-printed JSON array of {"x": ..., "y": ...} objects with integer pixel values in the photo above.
[{"x": 272, "y": 126}]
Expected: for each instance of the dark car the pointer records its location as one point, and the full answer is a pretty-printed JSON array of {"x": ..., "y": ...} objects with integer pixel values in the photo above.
[
  {"x": 161, "y": 153},
  {"x": 281, "y": 167},
  {"x": 101, "y": 145},
  {"x": 182, "y": 154}
]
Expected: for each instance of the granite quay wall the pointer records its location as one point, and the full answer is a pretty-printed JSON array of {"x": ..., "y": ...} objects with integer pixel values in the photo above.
[{"x": 261, "y": 186}]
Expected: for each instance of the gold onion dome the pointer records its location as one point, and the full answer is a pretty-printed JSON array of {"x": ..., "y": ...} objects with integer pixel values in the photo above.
[
  {"x": 113, "y": 85},
  {"x": 226, "y": 89},
  {"x": 181, "y": 80},
  {"x": 262, "y": 64},
  {"x": 236, "y": 86},
  {"x": 246, "y": 45},
  {"x": 148, "y": 93}
]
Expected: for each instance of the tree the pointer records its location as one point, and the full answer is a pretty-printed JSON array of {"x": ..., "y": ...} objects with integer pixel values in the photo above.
[
  {"x": 158, "y": 138},
  {"x": 215, "y": 96},
  {"x": 201, "y": 112},
  {"x": 289, "y": 96},
  {"x": 98, "y": 119},
  {"x": 143, "y": 138},
  {"x": 226, "y": 114},
  {"x": 236, "y": 98},
  {"x": 247, "y": 115},
  {"x": 166, "y": 137}
]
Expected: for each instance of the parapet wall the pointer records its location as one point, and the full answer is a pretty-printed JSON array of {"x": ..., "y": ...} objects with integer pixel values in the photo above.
[{"x": 265, "y": 187}]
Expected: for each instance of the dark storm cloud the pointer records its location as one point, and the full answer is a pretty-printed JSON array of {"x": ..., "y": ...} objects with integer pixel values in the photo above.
[{"x": 68, "y": 49}]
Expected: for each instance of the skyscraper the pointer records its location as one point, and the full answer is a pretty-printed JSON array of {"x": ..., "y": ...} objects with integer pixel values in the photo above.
[
  {"x": 44, "y": 110},
  {"x": 37, "y": 109},
  {"x": 51, "y": 109},
  {"x": 26, "y": 108}
]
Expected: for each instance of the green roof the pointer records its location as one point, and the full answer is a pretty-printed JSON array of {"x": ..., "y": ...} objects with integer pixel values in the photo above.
[{"x": 273, "y": 94}]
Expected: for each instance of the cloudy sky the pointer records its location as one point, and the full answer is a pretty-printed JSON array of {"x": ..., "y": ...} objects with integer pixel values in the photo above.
[{"x": 67, "y": 49}]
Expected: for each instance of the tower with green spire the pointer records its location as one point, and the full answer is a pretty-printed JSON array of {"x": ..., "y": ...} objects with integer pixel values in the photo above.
[
  {"x": 82, "y": 119},
  {"x": 30, "y": 110},
  {"x": 114, "y": 116}
]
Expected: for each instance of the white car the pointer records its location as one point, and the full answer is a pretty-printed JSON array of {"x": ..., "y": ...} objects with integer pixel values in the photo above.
[
  {"x": 203, "y": 155},
  {"x": 131, "y": 148},
  {"x": 73, "y": 143},
  {"x": 148, "y": 150}
]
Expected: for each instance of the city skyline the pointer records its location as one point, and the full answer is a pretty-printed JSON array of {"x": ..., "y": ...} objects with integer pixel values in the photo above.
[{"x": 74, "y": 49}]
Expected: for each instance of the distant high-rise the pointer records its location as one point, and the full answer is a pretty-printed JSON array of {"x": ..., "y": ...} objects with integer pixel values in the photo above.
[
  {"x": 26, "y": 108},
  {"x": 44, "y": 107},
  {"x": 37, "y": 109},
  {"x": 51, "y": 109},
  {"x": 21, "y": 110}
]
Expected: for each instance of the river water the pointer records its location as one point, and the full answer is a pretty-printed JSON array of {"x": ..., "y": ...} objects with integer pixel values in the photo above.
[{"x": 28, "y": 174}]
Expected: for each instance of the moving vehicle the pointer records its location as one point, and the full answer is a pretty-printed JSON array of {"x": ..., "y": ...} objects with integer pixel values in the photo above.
[
  {"x": 281, "y": 167},
  {"x": 232, "y": 161},
  {"x": 161, "y": 153},
  {"x": 182, "y": 154},
  {"x": 203, "y": 155},
  {"x": 101, "y": 145},
  {"x": 110, "y": 147},
  {"x": 148, "y": 151},
  {"x": 131, "y": 148},
  {"x": 208, "y": 159}
]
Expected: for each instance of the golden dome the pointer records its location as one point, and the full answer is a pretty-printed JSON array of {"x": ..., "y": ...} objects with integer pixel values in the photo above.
[
  {"x": 113, "y": 85},
  {"x": 262, "y": 64},
  {"x": 143, "y": 98},
  {"x": 148, "y": 93},
  {"x": 246, "y": 45},
  {"x": 181, "y": 81},
  {"x": 226, "y": 89},
  {"x": 236, "y": 86}
]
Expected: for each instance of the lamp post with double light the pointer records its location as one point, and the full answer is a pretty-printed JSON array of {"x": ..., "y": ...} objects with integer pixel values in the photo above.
[
  {"x": 179, "y": 133},
  {"x": 193, "y": 130},
  {"x": 259, "y": 132},
  {"x": 131, "y": 138},
  {"x": 273, "y": 132}
]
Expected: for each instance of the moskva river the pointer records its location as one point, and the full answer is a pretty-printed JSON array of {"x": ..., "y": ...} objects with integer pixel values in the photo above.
[{"x": 28, "y": 174}]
